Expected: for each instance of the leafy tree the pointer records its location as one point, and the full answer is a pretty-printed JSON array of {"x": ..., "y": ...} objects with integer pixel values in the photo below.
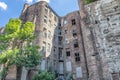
[
  {"x": 43, "y": 75},
  {"x": 17, "y": 48}
]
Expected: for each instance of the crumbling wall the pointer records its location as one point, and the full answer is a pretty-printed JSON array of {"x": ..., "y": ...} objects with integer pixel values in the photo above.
[{"x": 104, "y": 23}]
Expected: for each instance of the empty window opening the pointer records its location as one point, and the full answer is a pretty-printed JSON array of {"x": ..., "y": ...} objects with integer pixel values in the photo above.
[
  {"x": 76, "y": 43},
  {"x": 74, "y": 32},
  {"x": 77, "y": 57},
  {"x": 68, "y": 53},
  {"x": 73, "y": 22}
]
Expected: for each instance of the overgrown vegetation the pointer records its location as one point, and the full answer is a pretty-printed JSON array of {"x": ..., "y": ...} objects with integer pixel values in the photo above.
[
  {"x": 43, "y": 75},
  {"x": 90, "y": 1},
  {"x": 17, "y": 48}
]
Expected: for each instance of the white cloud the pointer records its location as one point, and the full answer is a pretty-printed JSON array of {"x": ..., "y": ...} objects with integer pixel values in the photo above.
[
  {"x": 29, "y": 1},
  {"x": 3, "y": 5},
  {"x": 43, "y": 0}
]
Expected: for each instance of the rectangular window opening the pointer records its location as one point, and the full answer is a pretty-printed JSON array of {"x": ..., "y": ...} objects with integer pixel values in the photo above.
[
  {"x": 76, "y": 43},
  {"x": 73, "y": 22},
  {"x": 68, "y": 53},
  {"x": 77, "y": 57}
]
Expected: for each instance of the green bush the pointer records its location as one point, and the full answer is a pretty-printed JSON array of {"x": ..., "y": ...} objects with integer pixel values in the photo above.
[{"x": 43, "y": 75}]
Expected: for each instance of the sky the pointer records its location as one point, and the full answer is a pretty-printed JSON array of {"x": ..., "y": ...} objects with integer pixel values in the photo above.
[{"x": 12, "y": 8}]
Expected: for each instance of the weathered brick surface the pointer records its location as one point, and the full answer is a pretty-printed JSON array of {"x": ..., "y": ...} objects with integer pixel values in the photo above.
[
  {"x": 104, "y": 23},
  {"x": 68, "y": 45},
  {"x": 99, "y": 41}
]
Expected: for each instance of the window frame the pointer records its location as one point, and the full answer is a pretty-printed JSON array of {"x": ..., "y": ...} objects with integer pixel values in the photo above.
[{"x": 77, "y": 57}]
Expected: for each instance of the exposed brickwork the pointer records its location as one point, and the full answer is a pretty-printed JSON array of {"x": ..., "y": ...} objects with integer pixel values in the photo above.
[
  {"x": 76, "y": 46},
  {"x": 104, "y": 24}
]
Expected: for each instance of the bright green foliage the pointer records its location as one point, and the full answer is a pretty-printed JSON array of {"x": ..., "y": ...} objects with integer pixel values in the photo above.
[
  {"x": 13, "y": 26},
  {"x": 16, "y": 46},
  {"x": 8, "y": 55},
  {"x": 43, "y": 75},
  {"x": 27, "y": 31}
]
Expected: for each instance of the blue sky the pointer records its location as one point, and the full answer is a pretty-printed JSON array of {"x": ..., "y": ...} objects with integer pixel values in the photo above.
[{"x": 12, "y": 8}]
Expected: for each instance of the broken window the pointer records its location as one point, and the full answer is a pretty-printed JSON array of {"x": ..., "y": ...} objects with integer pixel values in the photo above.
[
  {"x": 76, "y": 43},
  {"x": 74, "y": 32},
  {"x": 77, "y": 57},
  {"x": 73, "y": 22},
  {"x": 67, "y": 53}
]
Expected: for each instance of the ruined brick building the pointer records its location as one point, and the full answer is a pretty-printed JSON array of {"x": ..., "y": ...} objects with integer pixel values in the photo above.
[{"x": 71, "y": 50}]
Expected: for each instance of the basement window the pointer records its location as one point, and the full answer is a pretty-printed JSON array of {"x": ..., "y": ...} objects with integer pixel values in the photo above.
[
  {"x": 77, "y": 57},
  {"x": 76, "y": 43},
  {"x": 73, "y": 22}
]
